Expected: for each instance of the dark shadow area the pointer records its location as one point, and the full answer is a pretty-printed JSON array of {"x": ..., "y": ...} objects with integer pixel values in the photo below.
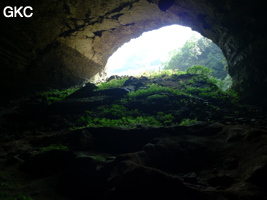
[
  {"x": 166, "y": 136},
  {"x": 170, "y": 135}
]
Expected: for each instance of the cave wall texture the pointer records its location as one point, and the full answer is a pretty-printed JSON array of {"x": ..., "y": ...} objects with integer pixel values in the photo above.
[{"x": 67, "y": 42}]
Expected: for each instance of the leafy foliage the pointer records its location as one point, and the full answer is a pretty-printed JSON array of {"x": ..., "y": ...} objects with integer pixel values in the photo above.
[
  {"x": 152, "y": 90},
  {"x": 8, "y": 184},
  {"x": 52, "y": 96},
  {"x": 111, "y": 84},
  {"x": 116, "y": 111},
  {"x": 54, "y": 147},
  {"x": 206, "y": 79},
  {"x": 211, "y": 91},
  {"x": 198, "y": 69},
  {"x": 166, "y": 119},
  {"x": 227, "y": 82},
  {"x": 7, "y": 196},
  {"x": 156, "y": 105},
  {"x": 157, "y": 96},
  {"x": 187, "y": 122},
  {"x": 120, "y": 116},
  {"x": 162, "y": 73},
  {"x": 101, "y": 157},
  {"x": 198, "y": 52},
  {"x": 22, "y": 197},
  {"x": 127, "y": 121}
]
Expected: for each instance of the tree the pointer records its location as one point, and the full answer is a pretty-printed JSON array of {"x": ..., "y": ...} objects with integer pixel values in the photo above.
[
  {"x": 198, "y": 52},
  {"x": 198, "y": 69}
]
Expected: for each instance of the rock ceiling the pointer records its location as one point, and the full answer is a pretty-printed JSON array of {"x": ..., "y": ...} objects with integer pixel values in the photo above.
[{"x": 68, "y": 42}]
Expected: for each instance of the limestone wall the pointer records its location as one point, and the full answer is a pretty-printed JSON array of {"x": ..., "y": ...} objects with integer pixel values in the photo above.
[{"x": 68, "y": 42}]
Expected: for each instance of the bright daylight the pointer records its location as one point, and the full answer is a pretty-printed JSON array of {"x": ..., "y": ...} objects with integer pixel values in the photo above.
[
  {"x": 113, "y": 100},
  {"x": 149, "y": 51},
  {"x": 175, "y": 48}
]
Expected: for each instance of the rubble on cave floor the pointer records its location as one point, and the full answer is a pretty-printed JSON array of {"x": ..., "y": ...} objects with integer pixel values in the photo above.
[
  {"x": 213, "y": 161},
  {"x": 48, "y": 152}
]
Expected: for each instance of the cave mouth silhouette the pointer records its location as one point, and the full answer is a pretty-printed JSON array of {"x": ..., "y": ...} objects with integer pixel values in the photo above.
[
  {"x": 75, "y": 41},
  {"x": 148, "y": 51},
  {"x": 152, "y": 50}
]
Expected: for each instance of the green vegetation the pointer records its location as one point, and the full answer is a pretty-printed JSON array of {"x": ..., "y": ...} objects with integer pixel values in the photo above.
[
  {"x": 157, "y": 96},
  {"x": 206, "y": 79},
  {"x": 7, "y": 184},
  {"x": 9, "y": 196},
  {"x": 162, "y": 73},
  {"x": 157, "y": 105},
  {"x": 22, "y": 197},
  {"x": 161, "y": 119},
  {"x": 198, "y": 52},
  {"x": 152, "y": 90},
  {"x": 188, "y": 122},
  {"x": 226, "y": 83},
  {"x": 116, "y": 111},
  {"x": 102, "y": 157},
  {"x": 49, "y": 97},
  {"x": 111, "y": 84},
  {"x": 127, "y": 121},
  {"x": 54, "y": 147},
  {"x": 198, "y": 69},
  {"x": 212, "y": 90},
  {"x": 166, "y": 119}
]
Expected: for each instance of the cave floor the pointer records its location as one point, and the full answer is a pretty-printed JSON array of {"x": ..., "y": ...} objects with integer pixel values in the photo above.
[
  {"x": 214, "y": 161},
  {"x": 47, "y": 153}
]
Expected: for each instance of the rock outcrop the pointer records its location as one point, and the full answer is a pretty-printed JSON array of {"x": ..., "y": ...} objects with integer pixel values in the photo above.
[
  {"x": 68, "y": 42},
  {"x": 204, "y": 162},
  {"x": 109, "y": 144}
]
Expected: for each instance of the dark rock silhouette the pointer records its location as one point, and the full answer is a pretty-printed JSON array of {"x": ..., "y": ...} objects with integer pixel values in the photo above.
[
  {"x": 73, "y": 45},
  {"x": 165, "y": 4}
]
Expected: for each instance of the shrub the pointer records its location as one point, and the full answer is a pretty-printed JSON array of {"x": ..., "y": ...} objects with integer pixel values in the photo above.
[
  {"x": 161, "y": 119},
  {"x": 115, "y": 111},
  {"x": 233, "y": 96},
  {"x": 101, "y": 158},
  {"x": 127, "y": 121},
  {"x": 54, "y": 147},
  {"x": 198, "y": 69},
  {"x": 187, "y": 122},
  {"x": 152, "y": 90},
  {"x": 52, "y": 96},
  {"x": 154, "y": 74},
  {"x": 10, "y": 196},
  {"x": 166, "y": 119},
  {"x": 202, "y": 78},
  {"x": 227, "y": 82},
  {"x": 111, "y": 84},
  {"x": 22, "y": 197},
  {"x": 157, "y": 96}
]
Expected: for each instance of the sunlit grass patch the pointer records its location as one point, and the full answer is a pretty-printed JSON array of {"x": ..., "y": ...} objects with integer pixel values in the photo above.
[
  {"x": 152, "y": 90},
  {"x": 188, "y": 122},
  {"x": 111, "y": 84}
]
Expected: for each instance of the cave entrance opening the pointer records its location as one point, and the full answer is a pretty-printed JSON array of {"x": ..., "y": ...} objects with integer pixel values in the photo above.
[{"x": 172, "y": 47}]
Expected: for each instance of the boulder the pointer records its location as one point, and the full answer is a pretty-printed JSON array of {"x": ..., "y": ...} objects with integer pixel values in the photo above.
[{"x": 84, "y": 92}]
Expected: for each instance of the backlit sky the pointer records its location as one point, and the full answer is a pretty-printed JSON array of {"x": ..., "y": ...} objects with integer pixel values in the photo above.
[{"x": 154, "y": 45}]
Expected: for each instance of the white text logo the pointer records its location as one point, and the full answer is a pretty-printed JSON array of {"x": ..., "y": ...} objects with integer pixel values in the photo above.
[{"x": 18, "y": 12}]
